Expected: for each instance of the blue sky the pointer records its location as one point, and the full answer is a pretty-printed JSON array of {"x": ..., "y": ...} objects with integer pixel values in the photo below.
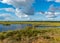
[{"x": 30, "y": 10}]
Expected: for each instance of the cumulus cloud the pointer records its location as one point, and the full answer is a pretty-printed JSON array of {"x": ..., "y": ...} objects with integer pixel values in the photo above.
[
  {"x": 8, "y": 9},
  {"x": 23, "y": 7},
  {"x": 17, "y": 12},
  {"x": 57, "y": 1},
  {"x": 54, "y": 8},
  {"x": 54, "y": 1},
  {"x": 9, "y": 17},
  {"x": 50, "y": 0},
  {"x": 18, "y": 3},
  {"x": 52, "y": 12},
  {"x": 6, "y": 16},
  {"x": 20, "y": 14},
  {"x": 49, "y": 14}
]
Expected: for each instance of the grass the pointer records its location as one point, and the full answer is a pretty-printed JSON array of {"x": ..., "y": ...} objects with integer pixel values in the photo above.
[
  {"x": 45, "y": 23},
  {"x": 30, "y": 35}
]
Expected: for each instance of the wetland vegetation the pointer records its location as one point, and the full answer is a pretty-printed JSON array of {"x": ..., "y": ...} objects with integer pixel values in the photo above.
[{"x": 33, "y": 32}]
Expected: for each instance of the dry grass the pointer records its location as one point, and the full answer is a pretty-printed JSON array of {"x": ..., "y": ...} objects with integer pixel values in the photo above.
[{"x": 51, "y": 35}]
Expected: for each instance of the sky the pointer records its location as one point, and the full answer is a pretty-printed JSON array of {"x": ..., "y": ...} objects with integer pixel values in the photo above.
[{"x": 29, "y": 10}]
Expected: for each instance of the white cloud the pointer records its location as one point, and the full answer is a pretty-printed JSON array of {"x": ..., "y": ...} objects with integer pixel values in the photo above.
[
  {"x": 8, "y": 9},
  {"x": 50, "y": 15},
  {"x": 52, "y": 12},
  {"x": 57, "y": 1},
  {"x": 39, "y": 12},
  {"x": 18, "y": 3},
  {"x": 25, "y": 5},
  {"x": 9, "y": 17},
  {"x": 17, "y": 12},
  {"x": 6, "y": 16},
  {"x": 57, "y": 13},
  {"x": 20, "y": 14},
  {"x": 49, "y": 0},
  {"x": 54, "y": 1},
  {"x": 23, "y": 9}
]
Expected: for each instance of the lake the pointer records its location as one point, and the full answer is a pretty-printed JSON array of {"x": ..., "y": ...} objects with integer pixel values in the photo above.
[
  {"x": 11, "y": 27},
  {"x": 21, "y": 26}
]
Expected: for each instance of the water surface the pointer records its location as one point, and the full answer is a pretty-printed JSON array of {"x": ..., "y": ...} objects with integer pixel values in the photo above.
[
  {"x": 12, "y": 27},
  {"x": 22, "y": 26}
]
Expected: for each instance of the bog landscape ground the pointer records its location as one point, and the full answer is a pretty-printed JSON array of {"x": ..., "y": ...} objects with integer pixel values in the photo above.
[{"x": 35, "y": 32}]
